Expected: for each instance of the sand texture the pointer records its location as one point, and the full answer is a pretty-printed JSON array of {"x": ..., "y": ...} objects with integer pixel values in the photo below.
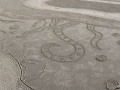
[{"x": 49, "y": 46}]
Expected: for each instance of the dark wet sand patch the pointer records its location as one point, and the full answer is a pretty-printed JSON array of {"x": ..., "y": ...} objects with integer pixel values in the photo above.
[{"x": 77, "y": 4}]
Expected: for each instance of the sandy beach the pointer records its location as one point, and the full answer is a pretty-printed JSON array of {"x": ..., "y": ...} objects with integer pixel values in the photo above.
[{"x": 59, "y": 45}]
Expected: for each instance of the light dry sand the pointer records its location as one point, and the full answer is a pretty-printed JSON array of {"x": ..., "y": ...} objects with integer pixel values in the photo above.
[
  {"x": 52, "y": 48},
  {"x": 9, "y": 72}
]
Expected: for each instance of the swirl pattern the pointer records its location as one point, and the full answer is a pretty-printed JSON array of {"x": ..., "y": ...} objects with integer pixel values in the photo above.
[
  {"x": 96, "y": 38},
  {"x": 75, "y": 56}
]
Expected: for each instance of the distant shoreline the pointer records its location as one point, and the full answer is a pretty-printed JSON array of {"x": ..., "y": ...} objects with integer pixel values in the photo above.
[
  {"x": 105, "y": 1},
  {"x": 40, "y": 4},
  {"x": 17, "y": 10}
]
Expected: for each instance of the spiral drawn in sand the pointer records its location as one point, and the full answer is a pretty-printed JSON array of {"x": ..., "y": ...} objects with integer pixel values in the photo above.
[
  {"x": 58, "y": 31},
  {"x": 97, "y": 36}
]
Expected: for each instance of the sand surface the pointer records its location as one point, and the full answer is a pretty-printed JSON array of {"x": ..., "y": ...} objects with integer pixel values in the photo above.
[{"x": 43, "y": 47}]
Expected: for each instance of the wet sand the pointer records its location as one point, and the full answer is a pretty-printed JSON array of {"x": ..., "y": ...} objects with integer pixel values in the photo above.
[
  {"x": 41, "y": 4},
  {"x": 77, "y": 4},
  {"x": 29, "y": 9}
]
